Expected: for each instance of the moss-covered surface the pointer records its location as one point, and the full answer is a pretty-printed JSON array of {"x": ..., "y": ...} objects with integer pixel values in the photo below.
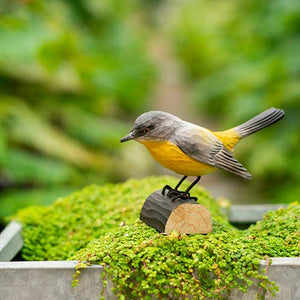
[
  {"x": 86, "y": 226},
  {"x": 142, "y": 262},
  {"x": 58, "y": 231}
]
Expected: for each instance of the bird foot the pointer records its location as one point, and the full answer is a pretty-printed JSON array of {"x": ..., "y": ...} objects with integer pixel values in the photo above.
[{"x": 174, "y": 194}]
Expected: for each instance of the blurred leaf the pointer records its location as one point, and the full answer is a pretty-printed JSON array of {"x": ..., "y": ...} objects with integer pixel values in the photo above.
[
  {"x": 91, "y": 129},
  {"x": 25, "y": 127},
  {"x": 13, "y": 200},
  {"x": 3, "y": 146},
  {"x": 26, "y": 168}
]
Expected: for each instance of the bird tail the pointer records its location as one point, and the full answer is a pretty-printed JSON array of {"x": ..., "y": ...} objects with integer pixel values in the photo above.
[
  {"x": 262, "y": 120},
  {"x": 232, "y": 136}
]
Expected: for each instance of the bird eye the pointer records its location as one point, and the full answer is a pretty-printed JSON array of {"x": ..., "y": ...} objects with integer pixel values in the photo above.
[{"x": 146, "y": 130}]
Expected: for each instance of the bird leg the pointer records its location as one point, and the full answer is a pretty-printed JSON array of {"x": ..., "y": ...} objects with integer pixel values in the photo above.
[
  {"x": 175, "y": 194},
  {"x": 171, "y": 190},
  {"x": 193, "y": 184}
]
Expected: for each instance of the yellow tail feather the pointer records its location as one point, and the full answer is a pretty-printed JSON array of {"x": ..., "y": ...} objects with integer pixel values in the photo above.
[
  {"x": 228, "y": 137},
  {"x": 232, "y": 136}
]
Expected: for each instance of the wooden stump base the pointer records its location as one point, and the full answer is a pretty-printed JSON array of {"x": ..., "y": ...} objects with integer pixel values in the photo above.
[{"x": 182, "y": 216}]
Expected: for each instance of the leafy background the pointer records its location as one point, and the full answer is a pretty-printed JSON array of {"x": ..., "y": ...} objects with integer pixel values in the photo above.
[{"x": 75, "y": 74}]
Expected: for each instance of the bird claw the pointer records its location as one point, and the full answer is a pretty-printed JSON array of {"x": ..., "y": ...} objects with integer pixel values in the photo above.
[
  {"x": 166, "y": 188},
  {"x": 174, "y": 194}
]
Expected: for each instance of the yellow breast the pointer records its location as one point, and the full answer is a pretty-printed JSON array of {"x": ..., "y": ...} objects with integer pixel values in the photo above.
[{"x": 171, "y": 157}]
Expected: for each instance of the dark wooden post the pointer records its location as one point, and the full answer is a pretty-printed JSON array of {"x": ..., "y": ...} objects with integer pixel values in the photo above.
[{"x": 181, "y": 215}]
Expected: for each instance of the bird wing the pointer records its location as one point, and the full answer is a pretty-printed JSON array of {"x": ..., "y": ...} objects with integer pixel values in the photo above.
[{"x": 200, "y": 144}]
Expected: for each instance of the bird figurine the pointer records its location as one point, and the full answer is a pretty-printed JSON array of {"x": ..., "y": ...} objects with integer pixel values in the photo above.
[{"x": 192, "y": 150}]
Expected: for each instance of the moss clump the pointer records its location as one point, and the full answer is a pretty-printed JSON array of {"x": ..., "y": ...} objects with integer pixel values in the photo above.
[
  {"x": 142, "y": 262},
  {"x": 58, "y": 231},
  {"x": 281, "y": 228}
]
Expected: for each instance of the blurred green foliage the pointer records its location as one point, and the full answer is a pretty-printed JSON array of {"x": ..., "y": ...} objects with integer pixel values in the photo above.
[
  {"x": 73, "y": 73},
  {"x": 241, "y": 57},
  {"x": 69, "y": 72}
]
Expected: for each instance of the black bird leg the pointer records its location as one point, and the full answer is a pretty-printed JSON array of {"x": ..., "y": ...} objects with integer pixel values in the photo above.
[
  {"x": 193, "y": 184},
  {"x": 170, "y": 189},
  {"x": 180, "y": 182},
  {"x": 174, "y": 194}
]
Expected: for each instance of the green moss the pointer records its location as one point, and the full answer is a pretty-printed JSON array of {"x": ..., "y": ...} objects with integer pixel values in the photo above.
[
  {"x": 58, "y": 231},
  {"x": 281, "y": 228},
  {"x": 86, "y": 226},
  {"x": 142, "y": 262}
]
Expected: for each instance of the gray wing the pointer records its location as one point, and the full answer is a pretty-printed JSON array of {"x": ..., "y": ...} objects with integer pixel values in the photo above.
[{"x": 202, "y": 145}]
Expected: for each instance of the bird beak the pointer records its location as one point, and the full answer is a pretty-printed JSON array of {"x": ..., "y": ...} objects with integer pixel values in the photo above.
[{"x": 128, "y": 137}]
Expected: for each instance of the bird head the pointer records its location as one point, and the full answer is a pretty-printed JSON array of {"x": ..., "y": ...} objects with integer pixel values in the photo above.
[{"x": 152, "y": 125}]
